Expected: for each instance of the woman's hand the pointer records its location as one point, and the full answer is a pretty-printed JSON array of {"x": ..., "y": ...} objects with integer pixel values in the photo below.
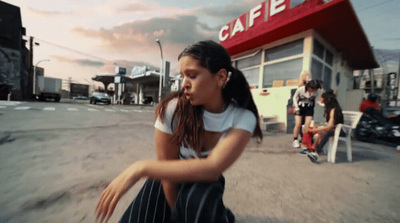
[
  {"x": 115, "y": 190},
  {"x": 313, "y": 129}
]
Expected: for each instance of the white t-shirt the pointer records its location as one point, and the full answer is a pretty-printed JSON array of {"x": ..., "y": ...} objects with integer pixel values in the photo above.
[
  {"x": 233, "y": 117},
  {"x": 303, "y": 98}
]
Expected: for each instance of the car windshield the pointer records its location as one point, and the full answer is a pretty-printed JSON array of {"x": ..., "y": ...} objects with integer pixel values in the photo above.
[{"x": 100, "y": 94}]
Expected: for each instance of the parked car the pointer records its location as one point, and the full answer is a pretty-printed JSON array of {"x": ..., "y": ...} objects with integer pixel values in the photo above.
[
  {"x": 147, "y": 100},
  {"x": 80, "y": 97},
  {"x": 100, "y": 97}
]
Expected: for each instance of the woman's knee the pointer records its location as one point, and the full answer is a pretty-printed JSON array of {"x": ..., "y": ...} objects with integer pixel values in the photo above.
[
  {"x": 149, "y": 205},
  {"x": 199, "y": 202}
]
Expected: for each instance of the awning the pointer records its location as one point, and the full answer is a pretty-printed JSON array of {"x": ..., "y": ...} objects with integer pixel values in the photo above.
[
  {"x": 335, "y": 21},
  {"x": 146, "y": 78}
]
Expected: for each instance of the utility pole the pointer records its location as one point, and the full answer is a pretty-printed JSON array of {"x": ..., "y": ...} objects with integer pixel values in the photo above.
[
  {"x": 30, "y": 68},
  {"x": 161, "y": 71},
  {"x": 398, "y": 81}
]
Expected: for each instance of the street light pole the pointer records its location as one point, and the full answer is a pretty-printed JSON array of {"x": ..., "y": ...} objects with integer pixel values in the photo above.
[
  {"x": 161, "y": 71},
  {"x": 34, "y": 75},
  {"x": 90, "y": 92}
]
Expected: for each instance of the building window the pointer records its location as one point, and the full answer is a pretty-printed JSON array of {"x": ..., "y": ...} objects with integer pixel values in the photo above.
[
  {"x": 252, "y": 76},
  {"x": 321, "y": 64},
  {"x": 249, "y": 61},
  {"x": 283, "y": 62},
  {"x": 285, "y": 70},
  {"x": 318, "y": 49},
  {"x": 329, "y": 57},
  {"x": 250, "y": 66},
  {"x": 294, "y": 3},
  {"x": 286, "y": 50}
]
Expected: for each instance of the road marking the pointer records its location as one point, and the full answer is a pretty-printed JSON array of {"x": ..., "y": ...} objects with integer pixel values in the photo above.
[
  {"x": 72, "y": 109},
  {"x": 109, "y": 110},
  {"x": 10, "y": 103},
  {"x": 1, "y": 106},
  {"x": 92, "y": 109},
  {"x": 136, "y": 110},
  {"x": 124, "y": 110},
  {"x": 49, "y": 109},
  {"x": 22, "y": 108}
]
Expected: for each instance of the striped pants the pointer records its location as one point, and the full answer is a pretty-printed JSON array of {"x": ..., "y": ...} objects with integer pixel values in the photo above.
[{"x": 196, "y": 203}]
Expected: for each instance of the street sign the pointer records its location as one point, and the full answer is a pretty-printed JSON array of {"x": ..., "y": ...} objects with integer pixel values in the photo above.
[{"x": 120, "y": 70}]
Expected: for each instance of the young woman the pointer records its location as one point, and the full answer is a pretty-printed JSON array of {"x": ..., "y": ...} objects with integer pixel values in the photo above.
[
  {"x": 333, "y": 116},
  {"x": 200, "y": 132},
  {"x": 305, "y": 77},
  {"x": 303, "y": 101}
]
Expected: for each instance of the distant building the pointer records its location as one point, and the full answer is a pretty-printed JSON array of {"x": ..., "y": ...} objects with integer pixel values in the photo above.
[
  {"x": 14, "y": 56},
  {"x": 277, "y": 40},
  {"x": 141, "y": 85}
]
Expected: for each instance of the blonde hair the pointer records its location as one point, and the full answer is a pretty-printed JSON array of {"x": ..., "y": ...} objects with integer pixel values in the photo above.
[{"x": 305, "y": 76}]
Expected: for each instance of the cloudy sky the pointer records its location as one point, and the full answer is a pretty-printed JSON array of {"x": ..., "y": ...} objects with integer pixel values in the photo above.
[{"x": 83, "y": 38}]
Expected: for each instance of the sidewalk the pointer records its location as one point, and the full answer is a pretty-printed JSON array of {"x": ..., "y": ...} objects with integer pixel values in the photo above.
[
  {"x": 272, "y": 183},
  {"x": 59, "y": 180}
]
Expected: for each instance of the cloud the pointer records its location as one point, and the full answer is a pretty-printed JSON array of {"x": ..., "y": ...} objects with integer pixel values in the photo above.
[
  {"x": 82, "y": 62},
  {"x": 392, "y": 38},
  {"x": 387, "y": 55},
  {"x": 45, "y": 13},
  {"x": 136, "y": 7},
  {"x": 138, "y": 36},
  {"x": 230, "y": 12}
]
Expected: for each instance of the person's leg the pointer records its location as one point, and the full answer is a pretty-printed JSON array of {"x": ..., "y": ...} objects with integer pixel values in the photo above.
[
  {"x": 149, "y": 205},
  {"x": 307, "y": 122},
  {"x": 324, "y": 140},
  {"x": 296, "y": 130},
  {"x": 202, "y": 202},
  {"x": 321, "y": 135}
]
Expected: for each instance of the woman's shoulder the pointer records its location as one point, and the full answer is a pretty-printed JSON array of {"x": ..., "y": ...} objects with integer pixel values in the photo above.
[
  {"x": 169, "y": 106},
  {"x": 240, "y": 113},
  {"x": 244, "y": 119},
  {"x": 237, "y": 110},
  {"x": 301, "y": 88}
]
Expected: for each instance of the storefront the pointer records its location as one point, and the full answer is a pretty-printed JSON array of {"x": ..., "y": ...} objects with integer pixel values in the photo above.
[{"x": 278, "y": 39}]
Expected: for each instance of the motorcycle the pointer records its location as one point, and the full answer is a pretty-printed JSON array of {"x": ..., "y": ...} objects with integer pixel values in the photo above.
[{"x": 375, "y": 128}]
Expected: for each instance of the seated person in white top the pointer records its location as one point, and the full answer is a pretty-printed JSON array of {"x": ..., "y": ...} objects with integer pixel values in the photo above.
[{"x": 200, "y": 132}]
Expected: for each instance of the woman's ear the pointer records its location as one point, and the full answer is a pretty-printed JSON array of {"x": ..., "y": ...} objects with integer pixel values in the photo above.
[{"x": 222, "y": 77}]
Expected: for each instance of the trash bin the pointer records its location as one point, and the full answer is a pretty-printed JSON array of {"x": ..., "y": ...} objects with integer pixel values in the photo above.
[{"x": 290, "y": 121}]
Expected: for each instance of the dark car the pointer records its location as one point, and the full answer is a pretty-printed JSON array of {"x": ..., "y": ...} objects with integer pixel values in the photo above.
[
  {"x": 100, "y": 97},
  {"x": 80, "y": 97},
  {"x": 147, "y": 100}
]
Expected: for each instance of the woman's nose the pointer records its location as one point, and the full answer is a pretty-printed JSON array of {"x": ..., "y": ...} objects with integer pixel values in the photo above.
[{"x": 185, "y": 83}]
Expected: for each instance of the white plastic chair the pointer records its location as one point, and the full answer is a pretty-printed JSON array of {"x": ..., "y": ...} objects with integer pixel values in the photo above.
[{"x": 351, "y": 119}]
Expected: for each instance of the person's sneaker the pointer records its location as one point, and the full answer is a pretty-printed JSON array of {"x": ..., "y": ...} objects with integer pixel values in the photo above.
[
  {"x": 313, "y": 156},
  {"x": 296, "y": 143},
  {"x": 304, "y": 152}
]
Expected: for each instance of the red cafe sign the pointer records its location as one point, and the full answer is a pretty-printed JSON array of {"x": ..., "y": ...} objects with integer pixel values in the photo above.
[
  {"x": 248, "y": 20},
  {"x": 270, "y": 21}
]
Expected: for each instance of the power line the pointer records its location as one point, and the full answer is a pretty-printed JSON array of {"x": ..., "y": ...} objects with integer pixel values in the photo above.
[
  {"x": 72, "y": 50},
  {"x": 375, "y": 5}
]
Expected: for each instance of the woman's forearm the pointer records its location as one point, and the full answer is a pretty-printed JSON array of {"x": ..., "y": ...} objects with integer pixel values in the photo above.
[{"x": 189, "y": 170}]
